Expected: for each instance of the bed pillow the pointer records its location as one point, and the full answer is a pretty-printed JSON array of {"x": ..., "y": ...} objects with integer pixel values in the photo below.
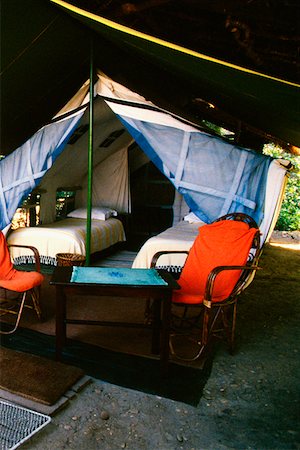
[{"x": 98, "y": 212}]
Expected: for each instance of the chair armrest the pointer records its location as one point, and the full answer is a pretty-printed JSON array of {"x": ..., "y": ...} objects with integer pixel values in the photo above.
[
  {"x": 165, "y": 252},
  {"x": 35, "y": 252},
  {"x": 216, "y": 271}
]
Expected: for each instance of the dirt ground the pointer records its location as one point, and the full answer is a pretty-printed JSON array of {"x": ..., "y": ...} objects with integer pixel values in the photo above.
[{"x": 250, "y": 401}]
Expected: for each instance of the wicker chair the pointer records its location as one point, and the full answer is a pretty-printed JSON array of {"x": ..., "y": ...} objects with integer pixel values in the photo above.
[
  {"x": 214, "y": 301},
  {"x": 18, "y": 289}
]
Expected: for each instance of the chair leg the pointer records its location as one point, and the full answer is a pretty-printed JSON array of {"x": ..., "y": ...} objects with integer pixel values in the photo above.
[
  {"x": 183, "y": 316},
  {"x": 35, "y": 297},
  {"x": 185, "y": 335},
  {"x": 205, "y": 328},
  {"x": 234, "y": 312},
  {"x": 18, "y": 316},
  {"x": 230, "y": 330},
  {"x": 215, "y": 323}
]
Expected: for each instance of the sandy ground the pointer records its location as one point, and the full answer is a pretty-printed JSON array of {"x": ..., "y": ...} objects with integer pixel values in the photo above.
[{"x": 250, "y": 401}]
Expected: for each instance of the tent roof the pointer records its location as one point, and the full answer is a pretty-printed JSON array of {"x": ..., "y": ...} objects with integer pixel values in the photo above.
[
  {"x": 259, "y": 35},
  {"x": 44, "y": 63}
]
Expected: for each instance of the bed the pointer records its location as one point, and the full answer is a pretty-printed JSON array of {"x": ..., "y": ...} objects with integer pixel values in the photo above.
[
  {"x": 65, "y": 236},
  {"x": 178, "y": 237}
]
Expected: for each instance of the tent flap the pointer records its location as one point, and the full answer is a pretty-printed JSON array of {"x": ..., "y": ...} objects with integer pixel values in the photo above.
[
  {"x": 214, "y": 177},
  {"x": 22, "y": 170}
]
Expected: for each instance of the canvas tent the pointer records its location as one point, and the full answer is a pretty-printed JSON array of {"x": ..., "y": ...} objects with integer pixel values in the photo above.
[
  {"x": 142, "y": 60},
  {"x": 44, "y": 61},
  {"x": 213, "y": 176}
]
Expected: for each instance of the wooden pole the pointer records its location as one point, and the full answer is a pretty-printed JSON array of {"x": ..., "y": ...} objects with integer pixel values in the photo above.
[{"x": 90, "y": 158}]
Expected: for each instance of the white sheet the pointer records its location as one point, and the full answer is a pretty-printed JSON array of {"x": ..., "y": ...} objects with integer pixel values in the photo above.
[
  {"x": 179, "y": 237},
  {"x": 65, "y": 236}
]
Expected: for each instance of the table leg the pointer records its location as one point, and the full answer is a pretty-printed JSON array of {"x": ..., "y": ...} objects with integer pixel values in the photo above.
[
  {"x": 60, "y": 321},
  {"x": 156, "y": 325},
  {"x": 165, "y": 333}
]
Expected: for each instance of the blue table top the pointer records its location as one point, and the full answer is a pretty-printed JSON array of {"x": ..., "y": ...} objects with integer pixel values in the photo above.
[{"x": 117, "y": 276}]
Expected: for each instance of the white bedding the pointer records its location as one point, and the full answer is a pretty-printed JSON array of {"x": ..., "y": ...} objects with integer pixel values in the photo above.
[
  {"x": 65, "y": 236},
  {"x": 179, "y": 237}
]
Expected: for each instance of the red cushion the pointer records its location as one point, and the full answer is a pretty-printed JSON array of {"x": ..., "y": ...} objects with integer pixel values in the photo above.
[
  {"x": 222, "y": 243},
  {"x": 11, "y": 278}
]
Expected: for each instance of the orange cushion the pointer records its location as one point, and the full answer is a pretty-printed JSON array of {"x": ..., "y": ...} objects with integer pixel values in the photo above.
[
  {"x": 11, "y": 278},
  {"x": 223, "y": 243}
]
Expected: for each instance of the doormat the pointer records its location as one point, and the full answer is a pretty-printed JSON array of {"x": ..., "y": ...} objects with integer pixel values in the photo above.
[
  {"x": 18, "y": 424},
  {"x": 184, "y": 383},
  {"x": 34, "y": 377}
]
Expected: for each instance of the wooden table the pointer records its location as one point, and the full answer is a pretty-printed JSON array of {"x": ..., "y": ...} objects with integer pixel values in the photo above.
[{"x": 161, "y": 295}]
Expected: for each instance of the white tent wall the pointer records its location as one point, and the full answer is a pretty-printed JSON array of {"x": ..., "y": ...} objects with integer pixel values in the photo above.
[
  {"x": 110, "y": 183},
  {"x": 110, "y": 171},
  {"x": 275, "y": 188}
]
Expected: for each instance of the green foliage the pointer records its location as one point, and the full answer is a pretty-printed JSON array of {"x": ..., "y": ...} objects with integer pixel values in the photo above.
[{"x": 289, "y": 217}]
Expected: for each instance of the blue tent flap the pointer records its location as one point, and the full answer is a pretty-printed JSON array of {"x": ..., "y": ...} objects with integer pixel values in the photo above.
[
  {"x": 23, "y": 169},
  {"x": 214, "y": 176}
]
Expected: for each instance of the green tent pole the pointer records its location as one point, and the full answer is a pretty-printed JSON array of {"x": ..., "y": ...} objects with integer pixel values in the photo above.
[{"x": 90, "y": 159}]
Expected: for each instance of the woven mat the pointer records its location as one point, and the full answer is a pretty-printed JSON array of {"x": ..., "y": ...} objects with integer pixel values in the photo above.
[{"x": 36, "y": 378}]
